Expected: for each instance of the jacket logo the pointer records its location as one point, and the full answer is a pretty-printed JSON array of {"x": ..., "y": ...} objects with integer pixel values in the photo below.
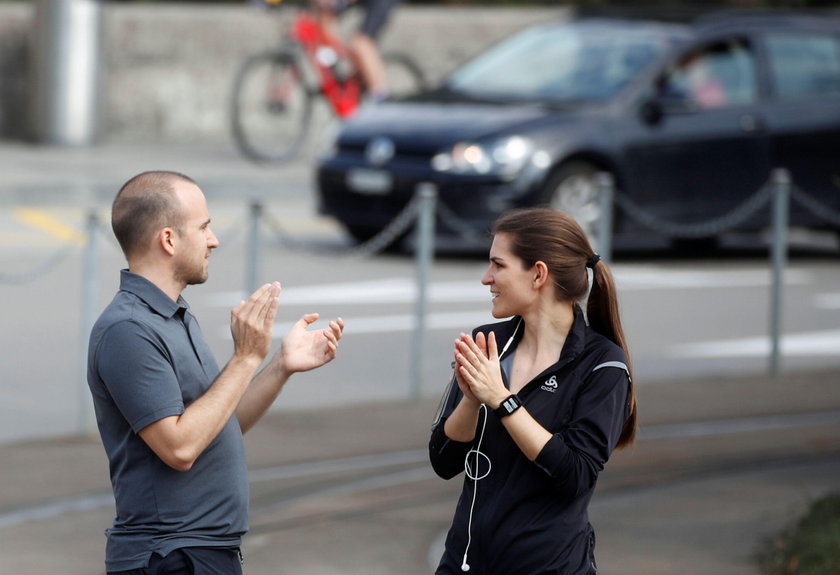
[{"x": 550, "y": 384}]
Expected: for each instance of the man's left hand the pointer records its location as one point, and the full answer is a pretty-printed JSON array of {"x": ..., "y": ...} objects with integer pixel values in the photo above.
[{"x": 303, "y": 350}]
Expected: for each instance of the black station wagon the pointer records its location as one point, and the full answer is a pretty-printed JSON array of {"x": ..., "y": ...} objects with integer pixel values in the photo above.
[{"x": 689, "y": 121}]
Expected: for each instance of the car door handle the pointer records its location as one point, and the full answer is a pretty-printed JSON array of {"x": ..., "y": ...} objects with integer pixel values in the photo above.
[{"x": 751, "y": 123}]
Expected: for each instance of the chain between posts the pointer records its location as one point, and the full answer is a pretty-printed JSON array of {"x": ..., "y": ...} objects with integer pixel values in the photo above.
[
  {"x": 386, "y": 237},
  {"x": 709, "y": 228},
  {"x": 407, "y": 216},
  {"x": 39, "y": 270},
  {"x": 815, "y": 206}
]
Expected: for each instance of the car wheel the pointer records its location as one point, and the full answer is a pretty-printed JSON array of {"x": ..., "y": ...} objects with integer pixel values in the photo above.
[
  {"x": 361, "y": 233},
  {"x": 695, "y": 246},
  {"x": 573, "y": 189}
]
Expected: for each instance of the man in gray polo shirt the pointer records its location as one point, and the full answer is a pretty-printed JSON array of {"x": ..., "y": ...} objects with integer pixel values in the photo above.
[{"x": 171, "y": 421}]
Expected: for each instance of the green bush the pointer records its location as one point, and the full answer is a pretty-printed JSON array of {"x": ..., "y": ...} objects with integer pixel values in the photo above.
[{"x": 809, "y": 547}]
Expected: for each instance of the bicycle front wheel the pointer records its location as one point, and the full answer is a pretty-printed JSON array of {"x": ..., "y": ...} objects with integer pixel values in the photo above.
[{"x": 271, "y": 107}]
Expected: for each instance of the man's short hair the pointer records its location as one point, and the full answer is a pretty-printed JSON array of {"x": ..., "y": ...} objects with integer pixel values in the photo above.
[{"x": 145, "y": 204}]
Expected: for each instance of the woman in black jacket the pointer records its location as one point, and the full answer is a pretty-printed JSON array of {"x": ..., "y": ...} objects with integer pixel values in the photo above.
[{"x": 536, "y": 405}]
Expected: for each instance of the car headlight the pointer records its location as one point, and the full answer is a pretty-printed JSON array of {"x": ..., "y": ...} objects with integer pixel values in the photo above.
[{"x": 503, "y": 157}]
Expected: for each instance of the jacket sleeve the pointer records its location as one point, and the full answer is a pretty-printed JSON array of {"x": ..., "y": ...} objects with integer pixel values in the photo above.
[
  {"x": 575, "y": 456},
  {"x": 446, "y": 455}
]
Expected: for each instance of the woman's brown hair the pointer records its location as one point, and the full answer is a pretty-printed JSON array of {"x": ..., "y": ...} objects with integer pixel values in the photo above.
[{"x": 556, "y": 239}]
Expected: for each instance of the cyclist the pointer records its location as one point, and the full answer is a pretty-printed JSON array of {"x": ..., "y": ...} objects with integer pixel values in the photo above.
[{"x": 363, "y": 44}]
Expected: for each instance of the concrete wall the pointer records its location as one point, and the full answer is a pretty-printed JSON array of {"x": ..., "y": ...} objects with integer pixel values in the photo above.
[{"x": 168, "y": 68}]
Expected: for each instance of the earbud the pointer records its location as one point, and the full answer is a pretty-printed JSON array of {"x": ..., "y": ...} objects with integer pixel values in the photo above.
[{"x": 464, "y": 566}]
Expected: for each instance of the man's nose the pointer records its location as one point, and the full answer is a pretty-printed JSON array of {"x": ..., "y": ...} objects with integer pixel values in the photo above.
[{"x": 212, "y": 240}]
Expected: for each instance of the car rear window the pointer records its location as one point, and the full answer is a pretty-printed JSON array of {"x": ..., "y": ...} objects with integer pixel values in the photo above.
[{"x": 804, "y": 66}]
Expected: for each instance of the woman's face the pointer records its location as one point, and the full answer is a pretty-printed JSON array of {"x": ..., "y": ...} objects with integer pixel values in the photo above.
[{"x": 511, "y": 285}]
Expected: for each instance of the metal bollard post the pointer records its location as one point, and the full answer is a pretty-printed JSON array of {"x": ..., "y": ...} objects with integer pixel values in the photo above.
[
  {"x": 606, "y": 195},
  {"x": 424, "y": 255},
  {"x": 254, "y": 248},
  {"x": 90, "y": 300},
  {"x": 781, "y": 183},
  {"x": 67, "y": 71}
]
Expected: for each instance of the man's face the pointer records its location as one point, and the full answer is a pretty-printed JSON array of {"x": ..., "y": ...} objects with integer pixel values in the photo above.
[{"x": 195, "y": 239}]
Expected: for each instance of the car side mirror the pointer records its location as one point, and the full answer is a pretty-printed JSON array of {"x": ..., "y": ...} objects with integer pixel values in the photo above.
[{"x": 652, "y": 112}]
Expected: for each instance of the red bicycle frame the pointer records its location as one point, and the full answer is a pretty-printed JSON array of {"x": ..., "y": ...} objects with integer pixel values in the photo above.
[{"x": 342, "y": 94}]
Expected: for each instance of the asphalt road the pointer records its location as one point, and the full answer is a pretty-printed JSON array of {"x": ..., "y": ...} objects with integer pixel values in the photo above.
[{"x": 684, "y": 317}]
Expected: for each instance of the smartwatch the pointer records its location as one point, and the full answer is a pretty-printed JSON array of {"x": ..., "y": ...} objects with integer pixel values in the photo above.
[{"x": 508, "y": 406}]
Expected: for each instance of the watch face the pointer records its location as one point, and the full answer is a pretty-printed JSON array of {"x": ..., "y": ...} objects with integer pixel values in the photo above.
[{"x": 509, "y": 405}]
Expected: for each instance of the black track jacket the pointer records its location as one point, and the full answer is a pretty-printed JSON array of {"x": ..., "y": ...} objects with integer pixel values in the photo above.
[{"x": 531, "y": 518}]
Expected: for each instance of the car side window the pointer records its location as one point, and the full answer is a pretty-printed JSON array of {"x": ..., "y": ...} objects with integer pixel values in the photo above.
[
  {"x": 804, "y": 66},
  {"x": 717, "y": 76}
]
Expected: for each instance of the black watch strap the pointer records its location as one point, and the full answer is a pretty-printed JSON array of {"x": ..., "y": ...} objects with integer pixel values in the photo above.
[{"x": 508, "y": 406}]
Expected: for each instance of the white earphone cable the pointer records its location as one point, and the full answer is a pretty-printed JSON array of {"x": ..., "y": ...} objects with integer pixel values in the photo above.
[{"x": 476, "y": 476}]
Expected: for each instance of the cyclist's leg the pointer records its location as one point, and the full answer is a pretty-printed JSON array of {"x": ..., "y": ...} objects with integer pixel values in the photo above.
[{"x": 364, "y": 46}]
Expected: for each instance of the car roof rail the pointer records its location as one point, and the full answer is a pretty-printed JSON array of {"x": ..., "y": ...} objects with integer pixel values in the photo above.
[
  {"x": 765, "y": 16},
  {"x": 680, "y": 14}
]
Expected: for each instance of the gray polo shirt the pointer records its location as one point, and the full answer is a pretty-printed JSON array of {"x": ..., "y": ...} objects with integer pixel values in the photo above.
[{"x": 148, "y": 360}]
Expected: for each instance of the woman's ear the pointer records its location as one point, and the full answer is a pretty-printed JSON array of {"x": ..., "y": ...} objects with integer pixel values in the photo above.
[{"x": 540, "y": 274}]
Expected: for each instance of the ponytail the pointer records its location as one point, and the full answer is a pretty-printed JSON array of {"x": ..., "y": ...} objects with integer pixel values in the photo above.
[{"x": 603, "y": 316}]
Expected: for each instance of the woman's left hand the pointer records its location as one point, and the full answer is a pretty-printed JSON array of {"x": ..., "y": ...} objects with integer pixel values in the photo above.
[{"x": 478, "y": 366}]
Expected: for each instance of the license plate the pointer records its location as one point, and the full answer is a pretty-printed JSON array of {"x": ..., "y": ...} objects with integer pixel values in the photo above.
[{"x": 372, "y": 182}]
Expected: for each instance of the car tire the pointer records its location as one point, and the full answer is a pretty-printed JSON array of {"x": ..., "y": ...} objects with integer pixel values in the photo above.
[
  {"x": 694, "y": 247},
  {"x": 573, "y": 189},
  {"x": 360, "y": 233}
]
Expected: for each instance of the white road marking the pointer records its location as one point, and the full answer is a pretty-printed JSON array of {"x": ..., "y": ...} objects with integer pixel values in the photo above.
[
  {"x": 817, "y": 343},
  {"x": 385, "y": 290},
  {"x": 404, "y": 290},
  {"x": 651, "y": 277},
  {"x": 464, "y": 321},
  {"x": 827, "y": 301}
]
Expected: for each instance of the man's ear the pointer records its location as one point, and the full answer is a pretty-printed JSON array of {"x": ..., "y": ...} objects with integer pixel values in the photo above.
[{"x": 167, "y": 239}]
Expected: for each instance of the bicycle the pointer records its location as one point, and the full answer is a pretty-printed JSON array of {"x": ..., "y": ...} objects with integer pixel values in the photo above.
[{"x": 274, "y": 92}]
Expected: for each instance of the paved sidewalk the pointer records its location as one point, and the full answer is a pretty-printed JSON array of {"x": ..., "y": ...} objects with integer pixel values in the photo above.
[{"x": 720, "y": 464}]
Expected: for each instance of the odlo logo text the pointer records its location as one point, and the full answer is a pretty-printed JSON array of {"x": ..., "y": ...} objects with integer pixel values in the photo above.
[{"x": 550, "y": 384}]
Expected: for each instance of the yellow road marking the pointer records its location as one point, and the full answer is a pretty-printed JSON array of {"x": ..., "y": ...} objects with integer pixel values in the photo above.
[{"x": 43, "y": 221}]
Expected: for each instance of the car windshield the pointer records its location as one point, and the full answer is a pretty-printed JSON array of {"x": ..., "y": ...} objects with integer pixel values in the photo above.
[{"x": 559, "y": 64}]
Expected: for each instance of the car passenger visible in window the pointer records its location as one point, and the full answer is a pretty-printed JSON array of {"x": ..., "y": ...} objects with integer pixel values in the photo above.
[{"x": 718, "y": 76}]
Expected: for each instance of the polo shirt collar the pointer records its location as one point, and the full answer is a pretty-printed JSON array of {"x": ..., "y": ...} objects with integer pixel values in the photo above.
[{"x": 154, "y": 297}]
